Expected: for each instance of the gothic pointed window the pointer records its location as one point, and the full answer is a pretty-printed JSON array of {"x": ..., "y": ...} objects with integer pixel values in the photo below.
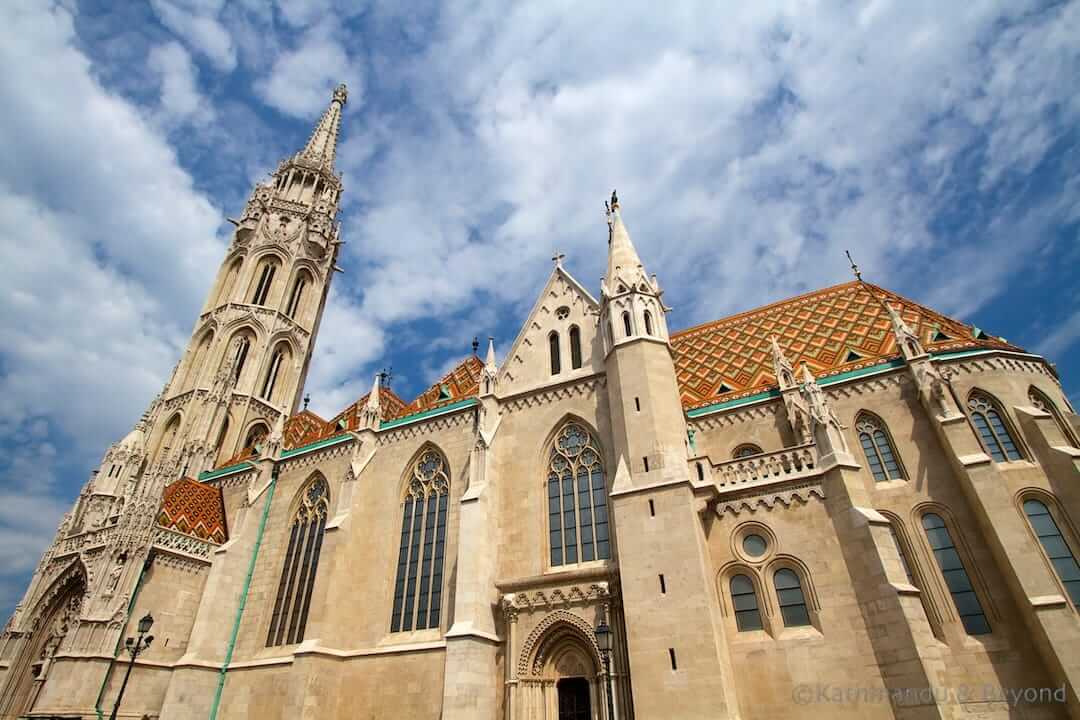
[
  {"x": 1057, "y": 549},
  {"x": 956, "y": 575},
  {"x": 198, "y": 360},
  {"x": 243, "y": 345},
  {"x": 790, "y": 597},
  {"x": 575, "y": 347},
  {"x": 293, "y": 598},
  {"x": 299, "y": 286},
  {"x": 626, "y": 324},
  {"x": 577, "y": 499},
  {"x": 995, "y": 434},
  {"x": 1040, "y": 401},
  {"x": 229, "y": 283},
  {"x": 265, "y": 274},
  {"x": 255, "y": 436},
  {"x": 745, "y": 601},
  {"x": 877, "y": 446},
  {"x": 648, "y": 323},
  {"x": 553, "y": 349},
  {"x": 277, "y": 361},
  {"x": 418, "y": 584},
  {"x": 168, "y": 438}
]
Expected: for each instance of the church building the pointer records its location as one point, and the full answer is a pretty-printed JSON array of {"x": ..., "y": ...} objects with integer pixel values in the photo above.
[{"x": 840, "y": 505}]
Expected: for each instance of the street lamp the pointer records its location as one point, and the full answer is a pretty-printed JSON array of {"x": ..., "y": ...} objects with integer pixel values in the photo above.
[
  {"x": 603, "y": 641},
  {"x": 134, "y": 646}
]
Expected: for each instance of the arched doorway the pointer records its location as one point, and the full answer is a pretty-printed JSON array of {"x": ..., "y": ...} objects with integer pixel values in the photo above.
[
  {"x": 559, "y": 672},
  {"x": 56, "y": 616},
  {"x": 574, "y": 700}
]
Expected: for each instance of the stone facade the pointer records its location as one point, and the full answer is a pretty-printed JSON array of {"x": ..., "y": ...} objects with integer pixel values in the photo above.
[{"x": 822, "y": 508}]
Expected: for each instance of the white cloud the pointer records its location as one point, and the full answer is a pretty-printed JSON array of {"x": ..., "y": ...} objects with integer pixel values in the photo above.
[
  {"x": 1064, "y": 337},
  {"x": 301, "y": 80},
  {"x": 197, "y": 23},
  {"x": 181, "y": 100}
]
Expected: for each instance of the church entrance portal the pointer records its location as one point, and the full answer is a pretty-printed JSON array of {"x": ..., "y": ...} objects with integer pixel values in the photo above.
[{"x": 574, "y": 699}]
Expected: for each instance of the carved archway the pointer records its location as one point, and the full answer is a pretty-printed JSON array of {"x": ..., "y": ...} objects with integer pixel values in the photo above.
[
  {"x": 549, "y": 635},
  {"x": 53, "y": 620}
]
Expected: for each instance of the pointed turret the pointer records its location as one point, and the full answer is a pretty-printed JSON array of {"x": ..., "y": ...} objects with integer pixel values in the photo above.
[
  {"x": 490, "y": 374},
  {"x": 624, "y": 264},
  {"x": 905, "y": 336},
  {"x": 371, "y": 415},
  {"x": 785, "y": 373},
  {"x": 322, "y": 145}
]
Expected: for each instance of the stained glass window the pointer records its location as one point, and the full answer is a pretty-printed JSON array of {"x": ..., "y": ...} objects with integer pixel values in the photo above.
[
  {"x": 994, "y": 433},
  {"x": 418, "y": 584},
  {"x": 297, "y": 582},
  {"x": 878, "y": 448},
  {"x": 577, "y": 499}
]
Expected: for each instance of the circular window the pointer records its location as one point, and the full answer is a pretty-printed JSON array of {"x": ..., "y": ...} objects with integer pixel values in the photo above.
[
  {"x": 754, "y": 545},
  {"x": 562, "y": 313}
]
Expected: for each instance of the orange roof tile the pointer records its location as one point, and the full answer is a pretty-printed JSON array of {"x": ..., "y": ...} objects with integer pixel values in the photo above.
[
  {"x": 460, "y": 383},
  {"x": 833, "y": 330},
  {"x": 195, "y": 509}
]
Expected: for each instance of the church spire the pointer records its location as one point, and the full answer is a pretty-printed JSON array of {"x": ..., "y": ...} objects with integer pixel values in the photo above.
[
  {"x": 624, "y": 264},
  {"x": 322, "y": 145}
]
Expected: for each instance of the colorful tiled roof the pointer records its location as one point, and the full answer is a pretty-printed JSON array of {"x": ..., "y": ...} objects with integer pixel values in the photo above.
[
  {"x": 460, "y": 383},
  {"x": 195, "y": 509},
  {"x": 841, "y": 328}
]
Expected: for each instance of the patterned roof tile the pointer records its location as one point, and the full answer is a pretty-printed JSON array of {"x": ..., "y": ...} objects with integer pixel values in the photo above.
[
  {"x": 833, "y": 330},
  {"x": 195, "y": 509}
]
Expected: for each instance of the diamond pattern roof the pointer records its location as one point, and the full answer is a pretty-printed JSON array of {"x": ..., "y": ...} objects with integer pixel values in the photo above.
[
  {"x": 834, "y": 330},
  {"x": 195, "y": 509}
]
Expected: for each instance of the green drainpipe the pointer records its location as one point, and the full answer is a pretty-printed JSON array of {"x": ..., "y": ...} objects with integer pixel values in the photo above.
[
  {"x": 116, "y": 650},
  {"x": 243, "y": 596}
]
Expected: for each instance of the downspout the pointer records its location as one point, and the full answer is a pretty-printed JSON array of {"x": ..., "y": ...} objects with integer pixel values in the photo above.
[
  {"x": 243, "y": 595},
  {"x": 116, "y": 650}
]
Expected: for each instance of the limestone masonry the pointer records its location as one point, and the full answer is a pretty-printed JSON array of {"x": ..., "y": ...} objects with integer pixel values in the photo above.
[{"x": 842, "y": 505}]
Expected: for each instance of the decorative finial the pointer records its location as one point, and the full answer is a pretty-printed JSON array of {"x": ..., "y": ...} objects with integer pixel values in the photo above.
[
  {"x": 341, "y": 94},
  {"x": 854, "y": 267},
  {"x": 614, "y": 201},
  {"x": 475, "y": 345},
  {"x": 307, "y": 399},
  {"x": 386, "y": 376},
  {"x": 557, "y": 258}
]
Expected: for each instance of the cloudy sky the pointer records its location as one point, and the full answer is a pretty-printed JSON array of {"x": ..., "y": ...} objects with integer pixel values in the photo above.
[{"x": 751, "y": 144}]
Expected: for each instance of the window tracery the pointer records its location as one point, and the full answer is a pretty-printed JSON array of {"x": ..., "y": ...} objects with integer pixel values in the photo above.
[
  {"x": 293, "y": 599},
  {"x": 878, "y": 448},
  {"x": 577, "y": 499},
  {"x": 419, "y": 581},
  {"x": 993, "y": 431}
]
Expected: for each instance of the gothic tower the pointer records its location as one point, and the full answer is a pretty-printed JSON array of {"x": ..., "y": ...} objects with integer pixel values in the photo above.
[
  {"x": 244, "y": 367},
  {"x": 661, "y": 547}
]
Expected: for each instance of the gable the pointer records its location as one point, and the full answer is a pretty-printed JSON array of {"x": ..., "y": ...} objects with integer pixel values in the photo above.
[{"x": 563, "y": 304}]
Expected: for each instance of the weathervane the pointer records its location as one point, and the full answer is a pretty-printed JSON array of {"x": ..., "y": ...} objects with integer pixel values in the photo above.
[
  {"x": 307, "y": 399},
  {"x": 475, "y": 345},
  {"x": 386, "y": 376},
  {"x": 854, "y": 267}
]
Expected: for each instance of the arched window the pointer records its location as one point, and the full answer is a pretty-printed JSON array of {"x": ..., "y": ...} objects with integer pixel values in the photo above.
[
  {"x": 878, "y": 448},
  {"x": 956, "y": 576},
  {"x": 229, "y": 283},
  {"x": 553, "y": 347},
  {"x": 301, "y": 564},
  {"x": 219, "y": 446},
  {"x": 626, "y": 324},
  {"x": 168, "y": 438},
  {"x": 242, "y": 346},
  {"x": 301, "y": 283},
  {"x": 648, "y": 323},
  {"x": 419, "y": 582},
  {"x": 744, "y": 600},
  {"x": 789, "y": 595},
  {"x": 279, "y": 359},
  {"x": 265, "y": 274},
  {"x": 1039, "y": 400},
  {"x": 198, "y": 360},
  {"x": 256, "y": 435},
  {"x": 1057, "y": 550},
  {"x": 575, "y": 347},
  {"x": 746, "y": 450},
  {"x": 994, "y": 433},
  {"x": 577, "y": 499}
]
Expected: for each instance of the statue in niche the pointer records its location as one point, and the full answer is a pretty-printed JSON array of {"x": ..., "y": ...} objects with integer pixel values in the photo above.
[{"x": 114, "y": 574}]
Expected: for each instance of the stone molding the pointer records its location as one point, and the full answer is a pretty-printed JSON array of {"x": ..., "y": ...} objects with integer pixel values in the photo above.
[
  {"x": 537, "y": 397},
  {"x": 788, "y": 497}
]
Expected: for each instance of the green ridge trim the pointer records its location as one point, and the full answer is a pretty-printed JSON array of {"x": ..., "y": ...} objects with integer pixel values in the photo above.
[
  {"x": 211, "y": 474},
  {"x": 116, "y": 650},
  {"x": 452, "y": 407},
  {"x": 715, "y": 407},
  {"x": 244, "y": 595},
  {"x": 315, "y": 445}
]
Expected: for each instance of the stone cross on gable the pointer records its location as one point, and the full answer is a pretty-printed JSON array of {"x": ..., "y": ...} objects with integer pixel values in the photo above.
[{"x": 557, "y": 258}]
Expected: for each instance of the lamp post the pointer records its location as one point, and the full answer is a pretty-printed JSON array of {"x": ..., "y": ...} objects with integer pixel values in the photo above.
[
  {"x": 603, "y": 641},
  {"x": 134, "y": 646}
]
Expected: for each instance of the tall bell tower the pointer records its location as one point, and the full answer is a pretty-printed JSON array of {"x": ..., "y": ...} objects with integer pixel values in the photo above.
[
  {"x": 249, "y": 353},
  {"x": 244, "y": 367}
]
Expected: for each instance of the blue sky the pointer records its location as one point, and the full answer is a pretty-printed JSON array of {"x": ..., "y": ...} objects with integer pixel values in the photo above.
[{"x": 751, "y": 143}]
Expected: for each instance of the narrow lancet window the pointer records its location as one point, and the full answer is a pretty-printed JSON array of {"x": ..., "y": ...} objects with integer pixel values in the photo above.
[
  {"x": 293, "y": 600},
  {"x": 878, "y": 448},
  {"x": 745, "y": 601},
  {"x": 1057, "y": 549},
  {"x": 553, "y": 347},
  {"x": 648, "y": 323},
  {"x": 577, "y": 499},
  {"x": 626, "y": 324},
  {"x": 575, "y": 347},
  {"x": 956, "y": 575},
  {"x": 994, "y": 433},
  {"x": 790, "y": 597},
  {"x": 418, "y": 583}
]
